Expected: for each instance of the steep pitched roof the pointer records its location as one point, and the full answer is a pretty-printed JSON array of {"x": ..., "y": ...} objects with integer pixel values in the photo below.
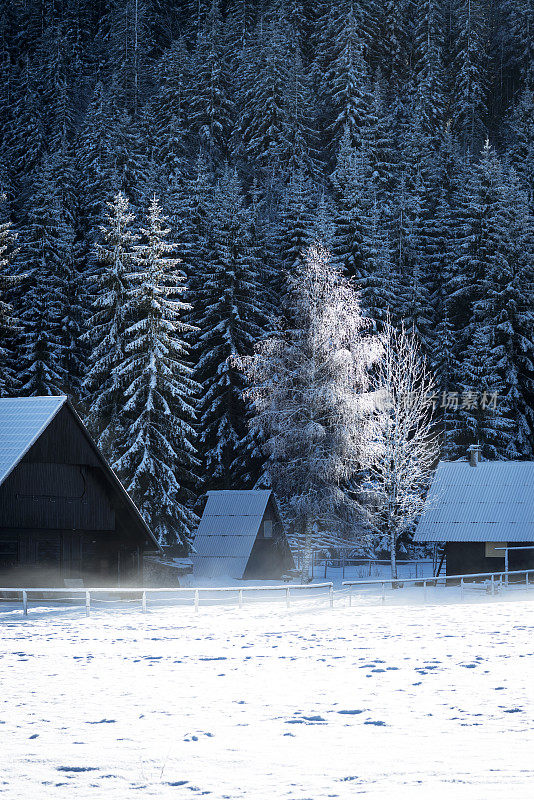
[
  {"x": 227, "y": 531},
  {"x": 22, "y": 421},
  {"x": 492, "y": 502}
]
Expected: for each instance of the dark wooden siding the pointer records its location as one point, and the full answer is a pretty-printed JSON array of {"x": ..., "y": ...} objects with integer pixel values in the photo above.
[
  {"x": 60, "y": 496},
  {"x": 63, "y": 516},
  {"x": 269, "y": 558},
  {"x": 464, "y": 558},
  {"x": 63, "y": 442}
]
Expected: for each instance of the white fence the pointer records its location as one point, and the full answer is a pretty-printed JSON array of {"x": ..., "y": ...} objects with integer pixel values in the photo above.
[
  {"x": 489, "y": 581},
  {"x": 142, "y": 594}
]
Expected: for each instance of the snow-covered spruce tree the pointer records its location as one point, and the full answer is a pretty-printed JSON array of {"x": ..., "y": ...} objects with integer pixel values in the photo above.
[
  {"x": 308, "y": 385},
  {"x": 521, "y": 152},
  {"x": 165, "y": 116},
  {"x": 491, "y": 310},
  {"x": 394, "y": 44},
  {"x": 295, "y": 226},
  {"x": 25, "y": 144},
  {"x": 405, "y": 446},
  {"x": 45, "y": 257},
  {"x": 231, "y": 310},
  {"x": 105, "y": 335},
  {"x": 428, "y": 68},
  {"x": 127, "y": 31},
  {"x": 379, "y": 285},
  {"x": 499, "y": 357},
  {"x": 210, "y": 107},
  {"x": 275, "y": 129},
  {"x": 353, "y": 201},
  {"x": 438, "y": 252},
  {"x": 156, "y": 442},
  {"x": 9, "y": 327},
  {"x": 347, "y": 83},
  {"x": 469, "y": 73},
  {"x": 520, "y": 20}
]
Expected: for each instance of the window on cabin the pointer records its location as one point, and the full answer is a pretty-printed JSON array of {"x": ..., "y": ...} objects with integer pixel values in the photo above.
[
  {"x": 492, "y": 550},
  {"x": 268, "y": 529}
]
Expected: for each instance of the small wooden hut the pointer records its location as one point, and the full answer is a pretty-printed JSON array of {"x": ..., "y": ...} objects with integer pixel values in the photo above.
[
  {"x": 476, "y": 508},
  {"x": 241, "y": 536}
]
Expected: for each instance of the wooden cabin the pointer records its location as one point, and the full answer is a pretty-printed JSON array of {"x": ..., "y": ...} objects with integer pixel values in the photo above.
[
  {"x": 241, "y": 536},
  {"x": 63, "y": 512},
  {"x": 476, "y": 508}
]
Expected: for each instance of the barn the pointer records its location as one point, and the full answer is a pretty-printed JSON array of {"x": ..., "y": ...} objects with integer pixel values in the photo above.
[
  {"x": 241, "y": 536},
  {"x": 475, "y": 508},
  {"x": 64, "y": 515}
]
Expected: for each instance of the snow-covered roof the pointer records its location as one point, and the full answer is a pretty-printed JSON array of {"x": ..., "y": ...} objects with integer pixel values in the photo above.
[
  {"x": 492, "y": 502},
  {"x": 22, "y": 421},
  {"x": 227, "y": 532}
]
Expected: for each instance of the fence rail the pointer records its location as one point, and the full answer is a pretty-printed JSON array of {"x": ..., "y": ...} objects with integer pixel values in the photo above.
[
  {"x": 141, "y": 593},
  {"x": 493, "y": 580}
]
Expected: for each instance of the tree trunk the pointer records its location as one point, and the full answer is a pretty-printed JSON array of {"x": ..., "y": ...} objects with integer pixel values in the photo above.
[
  {"x": 307, "y": 552},
  {"x": 393, "y": 548}
]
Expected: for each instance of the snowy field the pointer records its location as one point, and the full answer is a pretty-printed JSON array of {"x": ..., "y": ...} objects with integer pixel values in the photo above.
[{"x": 403, "y": 701}]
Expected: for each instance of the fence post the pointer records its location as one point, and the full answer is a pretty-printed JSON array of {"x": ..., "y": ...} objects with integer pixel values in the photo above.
[
  {"x": 383, "y": 592},
  {"x": 196, "y": 601},
  {"x": 143, "y": 603},
  {"x": 240, "y": 600},
  {"x": 287, "y": 596},
  {"x": 350, "y": 596},
  {"x": 462, "y": 588},
  {"x": 331, "y": 595},
  {"x": 24, "y": 602},
  {"x": 493, "y": 584},
  {"x": 87, "y": 604},
  {"x": 526, "y": 579},
  {"x": 424, "y": 592}
]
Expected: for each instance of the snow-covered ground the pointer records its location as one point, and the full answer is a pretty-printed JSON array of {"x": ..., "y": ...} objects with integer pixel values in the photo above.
[{"x": 403, "y": 701}]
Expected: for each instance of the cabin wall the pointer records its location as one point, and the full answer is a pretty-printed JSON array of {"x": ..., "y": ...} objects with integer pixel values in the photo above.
[
  {"x": 270, "y": 558},
  {"x": 465, "y": 558},
  {"x": 61, "y": 518},
  {"x": 56, "y": 496}
]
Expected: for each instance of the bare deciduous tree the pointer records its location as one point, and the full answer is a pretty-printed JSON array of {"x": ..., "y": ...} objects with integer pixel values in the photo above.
[{"x": 405, "y": 444}]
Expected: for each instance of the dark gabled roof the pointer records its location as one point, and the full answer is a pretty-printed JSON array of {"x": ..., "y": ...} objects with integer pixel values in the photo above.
[
  {"x": 228, "y": 529},
  {"x": 492, "y": 502},
  {"x": 24, "y": 419}
]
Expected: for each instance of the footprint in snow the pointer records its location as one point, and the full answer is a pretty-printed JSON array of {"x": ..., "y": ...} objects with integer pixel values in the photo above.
[{"x": 77, "y": 769}]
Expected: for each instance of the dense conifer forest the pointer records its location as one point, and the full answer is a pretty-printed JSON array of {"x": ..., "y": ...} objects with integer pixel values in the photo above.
[{"x": 164, "y": 165}]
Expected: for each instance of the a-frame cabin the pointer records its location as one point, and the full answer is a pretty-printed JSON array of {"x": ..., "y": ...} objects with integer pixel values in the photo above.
[
  {"x": 241, "y": 536},
  {"x": 63, "y": 512}
]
